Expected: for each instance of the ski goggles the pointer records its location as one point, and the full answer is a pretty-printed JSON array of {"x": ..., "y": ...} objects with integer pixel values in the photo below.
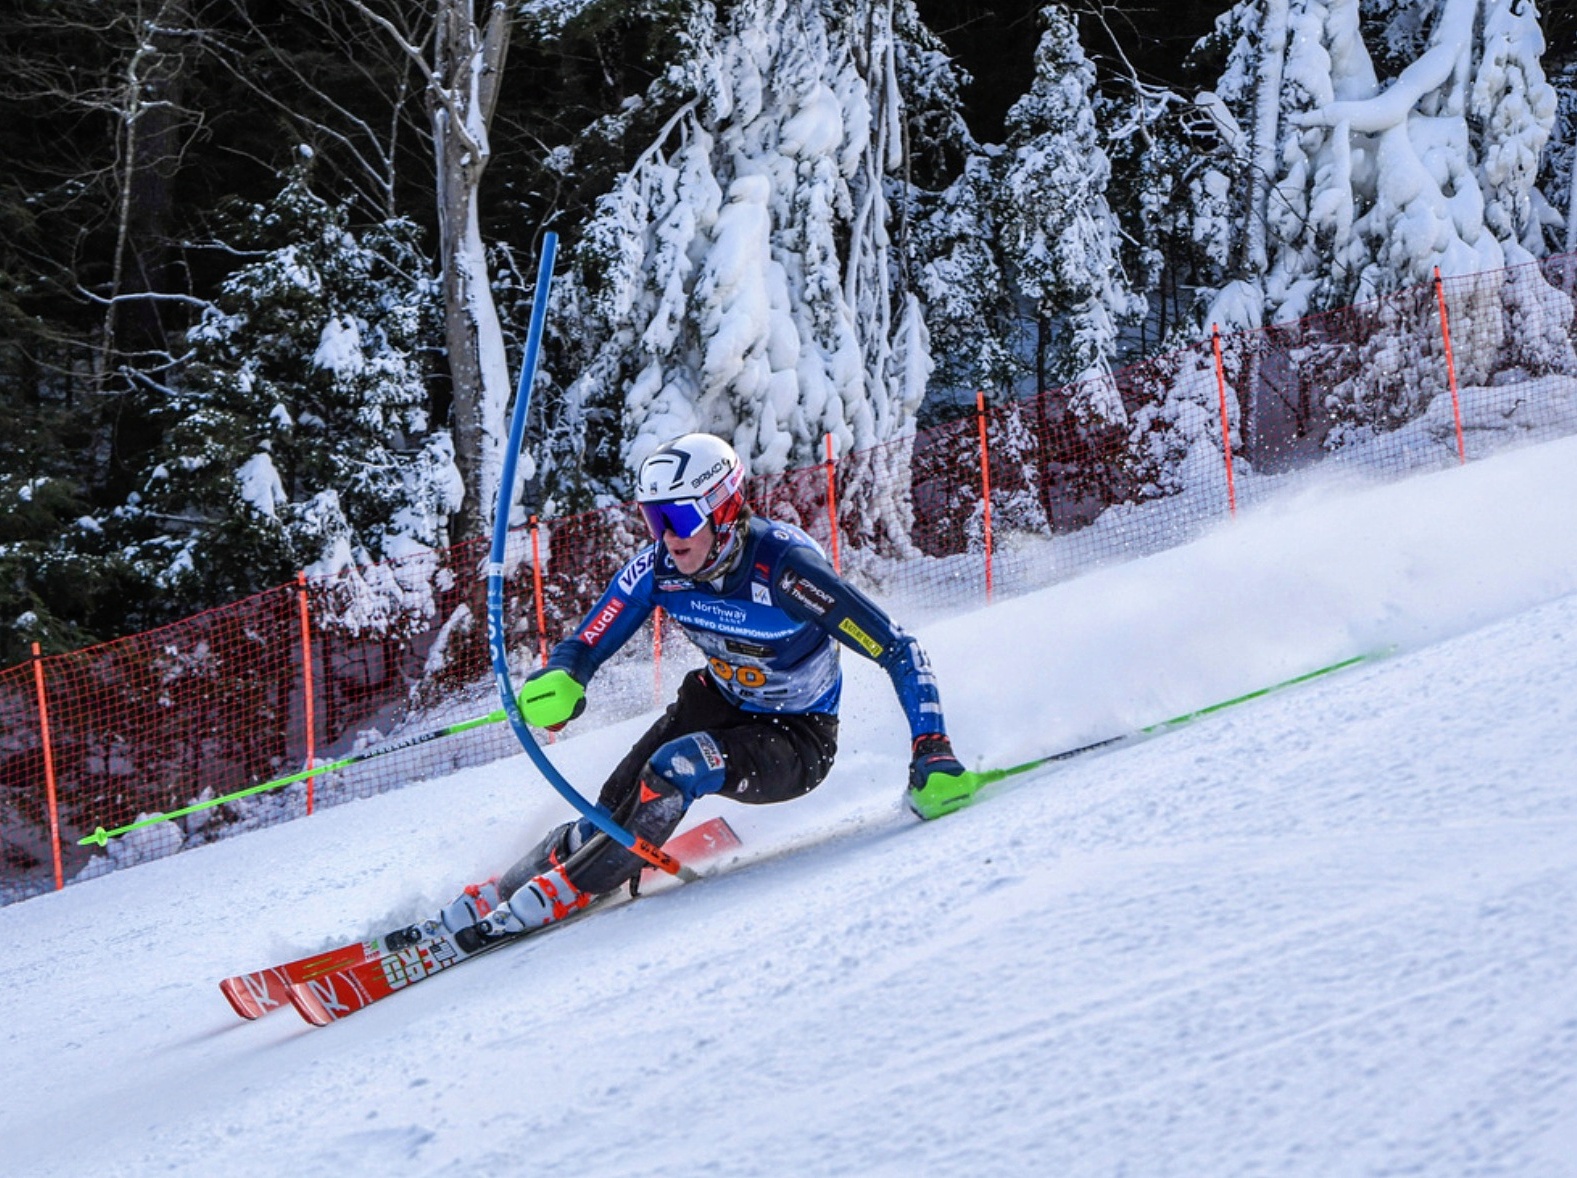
[{"x": 683, "y": 517}]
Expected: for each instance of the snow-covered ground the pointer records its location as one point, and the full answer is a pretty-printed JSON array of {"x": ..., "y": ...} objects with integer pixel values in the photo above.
[{"x": 1326, "y": 932}]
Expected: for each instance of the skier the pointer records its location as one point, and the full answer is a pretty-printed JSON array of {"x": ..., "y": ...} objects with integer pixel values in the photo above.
[{"x": 757, "y": 724}]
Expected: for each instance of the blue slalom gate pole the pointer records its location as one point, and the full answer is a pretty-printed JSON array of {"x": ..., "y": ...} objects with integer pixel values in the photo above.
[{"x": 496, "y": 643}]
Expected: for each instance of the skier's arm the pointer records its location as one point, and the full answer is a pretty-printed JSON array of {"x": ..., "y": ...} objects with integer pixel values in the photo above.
[
  {"x": 555, "y": 695},
  {"x": 807, "y": 588}
]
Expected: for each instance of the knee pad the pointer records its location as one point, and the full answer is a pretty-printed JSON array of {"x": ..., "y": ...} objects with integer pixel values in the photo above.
[{"x": 694, "y": 765}]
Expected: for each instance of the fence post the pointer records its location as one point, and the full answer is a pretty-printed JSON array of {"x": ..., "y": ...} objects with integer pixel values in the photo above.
[
  {"x": 832, "y": 507},
  {"x": 536, "y": 593},
  {"x": 1226, "y": 428},
  {"x": 985, "y": 481},
  {"x": 657, "y": 655},
  {"x": 1451, "y": 367},
  {"x": 49, "y": 767},
  {"x": 306, "y": 680}
]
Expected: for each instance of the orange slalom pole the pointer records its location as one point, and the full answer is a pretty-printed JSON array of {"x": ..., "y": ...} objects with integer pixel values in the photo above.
[
  {"x": 1451, "y": 367},
  {"x": 832, "y": 507},
  {"x": 49, "y": 768},
  {"x": 1226, "y": 429},
  {"x": 306, "y": 680},
  {"x": 536, "y": 593},
  {"x": 985, "y": 481}
]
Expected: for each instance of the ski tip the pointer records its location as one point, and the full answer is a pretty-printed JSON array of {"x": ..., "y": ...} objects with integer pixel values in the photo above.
[
  {"x": 330, "y": 997},
  {"x": 241, "y": 999},
  {"x": 308, "y": 1005}
]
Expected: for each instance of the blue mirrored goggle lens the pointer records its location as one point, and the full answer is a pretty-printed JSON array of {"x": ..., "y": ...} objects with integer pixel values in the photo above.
[{"x": 684, "y": 518}]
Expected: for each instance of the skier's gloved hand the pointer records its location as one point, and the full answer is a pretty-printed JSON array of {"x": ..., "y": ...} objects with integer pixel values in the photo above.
[
  {"x": 938, "y": 784},
  {"x": 550, "y": 698}
]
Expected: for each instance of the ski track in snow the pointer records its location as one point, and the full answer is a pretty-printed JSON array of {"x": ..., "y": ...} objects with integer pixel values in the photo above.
[{"x": 1325, "y": 932}]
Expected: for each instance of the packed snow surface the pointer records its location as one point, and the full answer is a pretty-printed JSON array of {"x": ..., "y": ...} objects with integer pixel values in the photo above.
[{"x": 1328, "y": 931}]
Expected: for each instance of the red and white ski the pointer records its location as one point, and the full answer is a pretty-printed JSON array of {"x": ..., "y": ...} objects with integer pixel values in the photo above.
[
  {"x": 252, "y": 995},
  {"x": 331, "y": 997},
  {"x": 699, "y": 844},
  {"x": 327, "y": 986}
]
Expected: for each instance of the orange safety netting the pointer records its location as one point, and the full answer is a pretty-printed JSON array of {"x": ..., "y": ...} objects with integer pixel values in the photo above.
[{"x": 333, "y": 667}]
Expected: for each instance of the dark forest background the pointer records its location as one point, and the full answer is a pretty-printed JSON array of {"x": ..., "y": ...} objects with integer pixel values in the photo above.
[{"x": 110, "y": 250}]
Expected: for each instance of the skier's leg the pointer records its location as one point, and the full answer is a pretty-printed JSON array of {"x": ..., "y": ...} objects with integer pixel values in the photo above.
[
  {"x": 701, "y": 745},
  {"x": 749, "y": 758},
  {"x": 779, "y": 758},
  {"x": 683, "y": 769},
  {"x": 638, "y": 801}
]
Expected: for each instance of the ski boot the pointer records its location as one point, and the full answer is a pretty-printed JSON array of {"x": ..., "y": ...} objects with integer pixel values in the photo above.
[
  {"x": 476, "y": 903},
  {"x": 544, "y": 900}
]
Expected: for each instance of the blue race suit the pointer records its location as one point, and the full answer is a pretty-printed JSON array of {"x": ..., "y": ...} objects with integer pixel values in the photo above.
[
  {"x": 759, "y": 723},
  {"x": 770, "y": 631}
]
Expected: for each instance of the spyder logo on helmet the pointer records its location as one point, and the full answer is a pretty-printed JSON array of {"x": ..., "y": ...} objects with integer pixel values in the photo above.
[{"x": 720, "y": 465}]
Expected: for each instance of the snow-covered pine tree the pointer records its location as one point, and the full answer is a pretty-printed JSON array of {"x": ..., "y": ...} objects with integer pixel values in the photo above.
[
  {"x": 944, "y": 228},
  {"x": 1174, "y": 445},
  {"x": 1369, "y": 181},
  {"x": 1511, "y": 112},
  {"x": 1376, "y": 181},
  {"x": 1059, "y": 234},
  {"x": 299, "y": 437},
  {"x": 948, "y": 227},
  {"x": 1236, "y": 121},
  {"x": 459, "y": 47},
  {"x": 1558, "y": 176},
  {"x": 969, "y": 307},
  {"x": 744, "y": 274},
  {"x": 1060, "y": 244},
  {"x": 1289, "y": 248},
  {"x": 1480, "y": 108},
  {"x": 1154, "y": 156}
]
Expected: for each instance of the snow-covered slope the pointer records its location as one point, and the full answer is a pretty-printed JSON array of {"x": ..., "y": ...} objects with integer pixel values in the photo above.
[{"x": 1326, "y": 932}]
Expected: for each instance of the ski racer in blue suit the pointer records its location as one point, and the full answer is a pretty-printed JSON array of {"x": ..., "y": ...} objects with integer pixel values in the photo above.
[{"x": 758, "y": 723}]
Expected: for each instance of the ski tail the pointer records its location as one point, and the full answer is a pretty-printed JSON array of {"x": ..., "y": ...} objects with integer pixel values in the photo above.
[{"x": 708, "y": 841}]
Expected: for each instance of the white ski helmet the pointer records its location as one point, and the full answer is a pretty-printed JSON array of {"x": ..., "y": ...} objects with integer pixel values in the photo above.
[{"x": 689, "y": 482}]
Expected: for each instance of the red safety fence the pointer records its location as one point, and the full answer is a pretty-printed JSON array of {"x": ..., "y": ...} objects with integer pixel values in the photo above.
[{"x": 1005, "y": 499}]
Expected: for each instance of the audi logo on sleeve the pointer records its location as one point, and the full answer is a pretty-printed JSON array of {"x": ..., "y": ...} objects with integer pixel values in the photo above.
[{"x": 598, "y": 626}]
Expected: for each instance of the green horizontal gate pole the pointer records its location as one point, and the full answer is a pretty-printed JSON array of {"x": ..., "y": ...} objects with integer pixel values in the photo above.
[
  {"x": 976, "y": 780},
  {"x": 101, "y": 837}
]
